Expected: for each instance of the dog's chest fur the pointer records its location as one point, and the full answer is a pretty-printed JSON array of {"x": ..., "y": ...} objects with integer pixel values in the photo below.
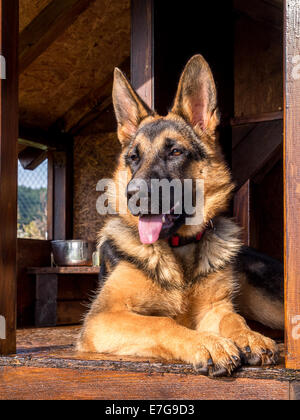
[
  {"x": 174, "y": 267},
  {"x": 175, "y": 275}
]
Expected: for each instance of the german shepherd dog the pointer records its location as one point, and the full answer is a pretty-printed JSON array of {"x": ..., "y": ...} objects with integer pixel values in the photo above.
[{"x": 173, "y": 290}]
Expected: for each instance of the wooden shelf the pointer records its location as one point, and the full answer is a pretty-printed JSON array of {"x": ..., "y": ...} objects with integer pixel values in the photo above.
[
  {"x": 63, "y": 270},
  {"x": 61, "y": 293}
]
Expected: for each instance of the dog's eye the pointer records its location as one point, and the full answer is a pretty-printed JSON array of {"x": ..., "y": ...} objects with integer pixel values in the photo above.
[
  {"x": 176, "y": 152},
  {"x": 134, "y": 157}
]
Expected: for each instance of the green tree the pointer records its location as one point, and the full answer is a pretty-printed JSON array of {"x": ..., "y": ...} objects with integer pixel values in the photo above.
[{"x": 32, "y": 212}]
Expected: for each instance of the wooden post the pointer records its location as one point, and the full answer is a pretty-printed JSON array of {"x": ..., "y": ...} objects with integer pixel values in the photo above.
[
  {"x": 50, "y": 201},
  {"x": 63, "y": 191},
  {"x": 142, "y": 71},
  {"x": 9, "y": 33},
  {"x": 292, "y": 181}
]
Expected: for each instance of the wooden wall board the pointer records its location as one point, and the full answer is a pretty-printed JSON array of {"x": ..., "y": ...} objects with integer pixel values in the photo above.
[
  {"x": 95, "y": 157},
  {"x": 250, "y": 119},
  {"x": 142, "y": 49},
  {"x": 258, "y": 125},
  {"x": 102, "y": 125},
  {"x": 178, "y": 36},
  {"x": 71, "y": 312},
  {"x": 268, "y": 12},
  {"x": 258, "y": 68},
  {"x": 62, "y": 299},
  {"x": 77, "y": 288},
  {"x": 268, "y": 212}
]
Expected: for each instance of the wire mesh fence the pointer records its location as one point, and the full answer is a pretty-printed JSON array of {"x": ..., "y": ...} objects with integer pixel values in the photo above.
[{"x": 32, "y": 201}]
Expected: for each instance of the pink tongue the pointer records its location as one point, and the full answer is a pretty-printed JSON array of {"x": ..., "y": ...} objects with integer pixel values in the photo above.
[{"x": 150, "y": 228}]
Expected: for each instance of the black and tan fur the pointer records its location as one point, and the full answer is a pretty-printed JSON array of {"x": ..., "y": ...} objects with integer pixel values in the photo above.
[{"x": 178, "y": 303}]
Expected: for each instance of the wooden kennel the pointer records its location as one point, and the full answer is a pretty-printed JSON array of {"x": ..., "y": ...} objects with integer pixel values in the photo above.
[{"x": 58, "y": 69}]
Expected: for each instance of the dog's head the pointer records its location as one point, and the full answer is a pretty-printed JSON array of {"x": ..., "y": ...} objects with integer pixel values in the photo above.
[{"x": 180, "y": 146}]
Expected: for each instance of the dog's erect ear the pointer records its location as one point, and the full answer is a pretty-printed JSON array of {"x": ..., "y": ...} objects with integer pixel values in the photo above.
[
  {"x": 130, "y": 109},
  {"x": 196, "y": 98}
]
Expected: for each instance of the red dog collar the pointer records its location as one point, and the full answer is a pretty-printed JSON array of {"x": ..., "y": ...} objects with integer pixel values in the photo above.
[{"x": 177, "y": 241}]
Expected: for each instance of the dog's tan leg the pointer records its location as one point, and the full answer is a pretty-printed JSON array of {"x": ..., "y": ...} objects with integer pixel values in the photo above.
[
  {"x": 255, "y": 348},
  {"x": 125, "y": 333},
  {"x": 114, "y": 326}
]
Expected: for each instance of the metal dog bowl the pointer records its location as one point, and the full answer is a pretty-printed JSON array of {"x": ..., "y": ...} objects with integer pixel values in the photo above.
[{"x": 73, "y": 252}]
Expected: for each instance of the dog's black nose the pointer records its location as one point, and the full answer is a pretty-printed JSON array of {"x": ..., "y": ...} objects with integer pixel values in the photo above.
[{"x": 137, "y": 186}]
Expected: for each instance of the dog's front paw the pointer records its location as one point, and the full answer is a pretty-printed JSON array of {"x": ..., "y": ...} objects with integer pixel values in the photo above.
[
  {"x": 215, "y": 356},
  {"x": 256, "y": 349}
]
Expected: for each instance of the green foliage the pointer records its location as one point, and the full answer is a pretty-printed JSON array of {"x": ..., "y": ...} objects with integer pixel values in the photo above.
[{"x": 32, "y": 212}]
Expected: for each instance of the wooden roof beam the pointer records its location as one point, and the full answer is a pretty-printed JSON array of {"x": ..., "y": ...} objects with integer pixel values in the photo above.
[
  {"x": 30, "y": 158},
  {"x": 90, "y": 107},
  {"x": 41, "y": 139},
  {"x": 47, "y": 27}
]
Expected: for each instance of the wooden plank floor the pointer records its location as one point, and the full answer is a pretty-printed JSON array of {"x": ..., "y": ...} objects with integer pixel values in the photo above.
[{"x": 46, "y": 366}]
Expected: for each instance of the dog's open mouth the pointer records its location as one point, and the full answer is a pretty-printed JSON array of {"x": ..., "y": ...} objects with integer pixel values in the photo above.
[{"x": 152, "y": 227}]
